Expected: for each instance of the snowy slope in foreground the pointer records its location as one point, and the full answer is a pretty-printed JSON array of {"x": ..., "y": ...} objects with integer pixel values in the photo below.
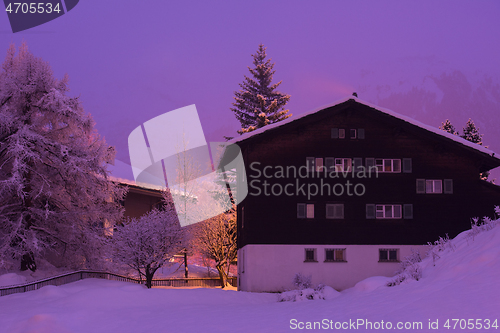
[{"x": 463, "y": 285}]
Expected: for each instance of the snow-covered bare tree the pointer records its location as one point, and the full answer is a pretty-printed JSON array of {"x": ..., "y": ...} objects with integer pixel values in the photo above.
[
  {"x": 215, "y": 238},
  {"x": 54, "y": 188},
  {"x": 148, "y": 243},
  {"x": 258, "y": 103}
]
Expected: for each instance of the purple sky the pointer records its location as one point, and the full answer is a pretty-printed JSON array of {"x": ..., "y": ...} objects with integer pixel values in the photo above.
[{"x": 131, "y": 61}]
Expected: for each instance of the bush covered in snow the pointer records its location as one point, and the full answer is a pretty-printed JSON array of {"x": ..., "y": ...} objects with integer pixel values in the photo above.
[
  {"x": 304, "y": 290},
  {"x": 320, "y": 292},
  {"x": 301, "y": 281},
  {"x": 409, "y": 269}
]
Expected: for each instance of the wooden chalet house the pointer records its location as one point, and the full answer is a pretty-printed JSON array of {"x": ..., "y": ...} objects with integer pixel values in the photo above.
[
  {"x": 347, "y": 191},
  {"x": 140, "y": 198}
]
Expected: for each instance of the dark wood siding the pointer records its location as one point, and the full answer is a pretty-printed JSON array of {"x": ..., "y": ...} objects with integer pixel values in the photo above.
[{"x": 273, "y": 219}]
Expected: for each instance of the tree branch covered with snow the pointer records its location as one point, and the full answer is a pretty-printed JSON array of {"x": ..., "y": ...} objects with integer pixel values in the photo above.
[{"x": 148, "y": 243}]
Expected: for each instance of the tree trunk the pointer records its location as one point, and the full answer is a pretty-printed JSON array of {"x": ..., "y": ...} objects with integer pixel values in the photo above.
[{"x": 222, "y": 276}]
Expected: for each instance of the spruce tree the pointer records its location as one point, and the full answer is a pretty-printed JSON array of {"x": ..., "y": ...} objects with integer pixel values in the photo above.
[
  {"x": 471, "y": 133},
  {"x": 258, "y": 103},
  {"x": 448, "y": 127}
]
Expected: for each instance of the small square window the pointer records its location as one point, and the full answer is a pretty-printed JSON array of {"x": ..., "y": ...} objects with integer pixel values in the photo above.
[
  {"x": 353, "y": 134},
  {"x": 310, "y": 255},
  {"x": 433, "y": 186},
  {"x": 388, "y": 255},
  {"x": 334, "y": 211},
  {"x": 341, "y": 133}
]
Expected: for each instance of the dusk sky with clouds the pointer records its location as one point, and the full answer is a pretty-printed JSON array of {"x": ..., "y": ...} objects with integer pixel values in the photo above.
[{"x": 130, "y": 61}]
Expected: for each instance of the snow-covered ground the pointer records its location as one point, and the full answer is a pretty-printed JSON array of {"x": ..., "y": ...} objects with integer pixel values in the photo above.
[{"x": 463, "y": 285}]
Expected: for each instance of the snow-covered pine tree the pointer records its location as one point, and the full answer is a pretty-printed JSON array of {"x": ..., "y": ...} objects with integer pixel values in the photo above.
[
  {"x": 471, "y": 133},
  {"x": 448, "y": 127},
  {"x": 258, "y": 103},
  {"x": 55, "y": 194}
]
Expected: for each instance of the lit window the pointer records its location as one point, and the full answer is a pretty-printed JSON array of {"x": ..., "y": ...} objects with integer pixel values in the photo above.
[
  {"x": 342, "y": 164},
  {"x": 332, "y": 255},
  {"x": 388, "y": 165},
  {"x": 310, "y": 211},
  {"x": 388, "y": 211}
]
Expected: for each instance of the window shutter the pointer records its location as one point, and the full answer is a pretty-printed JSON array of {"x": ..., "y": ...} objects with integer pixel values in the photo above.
[
  {"x": 358, "y": 163},
  {"x": 339, "y": 211},
  {"x": 407, "y": 165},
  {"x": 335, "y": 133},
  {"x": 361, "y": 133},
  {"x": 330, "y": 211},
  {"x": 310, "y": 163},
  {"x": 420, "y": 185},
  {"x": 408, "y": 211},
  {"x": 369, "y": 162},
  {"x": 330, "y": 164},
  {"x": 370, "y": 211},
  {"x": 301, "y": 210},
  {"x": 448, "y": 186}
]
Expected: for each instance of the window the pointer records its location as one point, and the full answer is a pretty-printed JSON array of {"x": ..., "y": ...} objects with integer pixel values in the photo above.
[
  {"x": 388, "y": 165},
  {"x": 334, "y": 211},
  {"x": 338, "y": 133},
  {"x": 330, "y": 164},
  {"x": 305, "y": 211},
  {"x": 342, "y": 164},
  {"x": 448, "y": 186},
  {"x": 310, "y": 211},
  {"x": 388, "y": 211},
  {"x": 433, "y": 186},
  {"x": 332, "y": 255},
  {"x": 357, "y": 163},
  {"x": 319, "y": 164},
  {"x": 353, "y": 134},
  {"x": 387, "y": 255},
  {"x": 310, "y": 255}
]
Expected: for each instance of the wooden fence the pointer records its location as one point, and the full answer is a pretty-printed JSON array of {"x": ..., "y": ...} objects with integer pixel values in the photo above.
[{"x": 80, "y": 275}]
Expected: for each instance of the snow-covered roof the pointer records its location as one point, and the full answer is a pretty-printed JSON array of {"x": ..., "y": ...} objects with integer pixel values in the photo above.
[
  {"x": 133, "y": 183},
  {"x": 407, "y": 119}
]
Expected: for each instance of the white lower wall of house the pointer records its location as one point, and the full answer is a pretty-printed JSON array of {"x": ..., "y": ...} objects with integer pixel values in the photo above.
[{"x": 268, "y": 268}]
